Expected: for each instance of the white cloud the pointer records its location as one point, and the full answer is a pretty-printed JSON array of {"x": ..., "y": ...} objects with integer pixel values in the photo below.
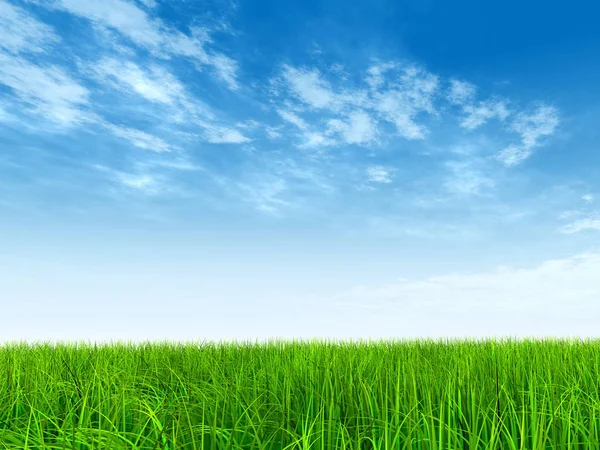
[
  {"x": 588, "y": 198},
  {"x": 410, "y": 94},
  {"x": 466, "y": 178},
  {"x": 513, "y": 155},
  {"x": 531, "y": 127},
  {"x": 560, "y": 289},
  {"x": 265, "y": 194},
  {"x": 146, "y": 183},
  {"x": 272, "y": 132},
  {"x": 20, "y": 32},
  {"x": 226, "y": 68},
  {"x": 150, "y": 33},
  {"x": 159, "y": 86},
  {"x": 589, "y": 223},
  {"x": 310, "y": 88},
  {"x": 283, "y": 187},
  {"x": 359, "y": 129},
  {"x": 48, "y": 90},
  {"x": 156, "y": 84},
  {"x": 379, "y": 174},
  {"x": 413, "y": 95},
  {"x": 140, "y": 139},
  {"x": 393, "y": 108},
  {"x": 143, "y": 182},
  {"x": 375, "y": 78},
  {"x": 419, "y": 87},
  {"x": 292, "y": 118},
  {"x": 223, "y": 135},
  {"x": 461, "y": 92},
  {"x": 569, "y": 214},
  {"x": 542, "y": 122},
  {"x": 398, "y": 94},
  {"x": 248, "y": 124},
  {"x": 339, "y": 70},
  {"x": 174, "y": 163},
  {"x": 482, "y": 112},
  {"x": 317, "y": 140}
]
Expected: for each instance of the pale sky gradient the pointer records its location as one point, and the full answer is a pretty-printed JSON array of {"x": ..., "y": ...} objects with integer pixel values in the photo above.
[{"x": 252, "y": 171}]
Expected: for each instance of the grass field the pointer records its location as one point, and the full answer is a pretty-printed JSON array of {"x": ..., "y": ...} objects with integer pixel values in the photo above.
[{"x": 419, "y": 394}]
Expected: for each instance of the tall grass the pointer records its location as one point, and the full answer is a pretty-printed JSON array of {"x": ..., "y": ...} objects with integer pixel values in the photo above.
[{"x": 421, "y": 394}]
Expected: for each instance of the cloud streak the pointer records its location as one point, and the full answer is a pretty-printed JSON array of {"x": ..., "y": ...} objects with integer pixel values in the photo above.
[
  {"x": 48, "y": 91},
  {"x": 151, "y": 33},
  {"x": 20, "y": 32},
  {"x": 561, "y": 288},
  {"x": 155, "y": 85},
  {"x": 140, "y": 139},
  {"x": 592, "y": 222}
]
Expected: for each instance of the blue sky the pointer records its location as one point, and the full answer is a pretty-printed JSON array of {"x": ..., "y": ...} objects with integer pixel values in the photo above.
[{"x": 248, "y": 170}]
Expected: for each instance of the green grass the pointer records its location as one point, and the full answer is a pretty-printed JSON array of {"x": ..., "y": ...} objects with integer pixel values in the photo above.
[{"x": 422, "y": 394}]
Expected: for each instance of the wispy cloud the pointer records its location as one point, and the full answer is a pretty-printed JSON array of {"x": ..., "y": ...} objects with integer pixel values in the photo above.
[
  {"x": 276, "y": 185},
  {"x": 42, "y": 89},
  {"x": 476, "y": 113},
  {"x": 292, "y": 118},
  {"x": 147, "y": 179},
  {"x": 592, "y": 222},
  {"x": 461, "y": 92},
  {"x": 317, "y": 140},
  {"x": 318, "y": 108},
  {"x": 216, "y": 134},
  {"x": 588, "y": 198},
  {"x": 47, "y": 90},
  {"x": 542, "y": 122},
  {"x": 359, "y": 128},
  {"x": 399, "y": 94},
  {"x": 140, "y": 138},
  {"x": 560, "y": 288},
  {"x": 531, "y": 127},
  {"x": 467, "y": 177},
  {"x": 309, "y": 87},
  {"x": 142, "y": 182},
  {"x": 379, "y": 174},
  {"x": 248, "y": 124},
  {"x": 513, "y": 155},
  {"x": 357, "y": 111},
  {"x": 175, "y": 162},
  {"x": 155, "y": 84},
  {"x": 272, "y": 132},
  {"x": 412, "y": 95},
  {"x": 376, "y": 74},
  {"x": 19, "y": 31},
  {"x": 311, "y": 138},
  {"x": 266, "y": 195},
  {"x": 51, "y": 91},
  {"x": 150, "y": 33}
]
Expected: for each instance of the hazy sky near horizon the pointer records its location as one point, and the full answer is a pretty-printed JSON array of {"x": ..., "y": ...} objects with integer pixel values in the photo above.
[{"x": 216, "y": 170}]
